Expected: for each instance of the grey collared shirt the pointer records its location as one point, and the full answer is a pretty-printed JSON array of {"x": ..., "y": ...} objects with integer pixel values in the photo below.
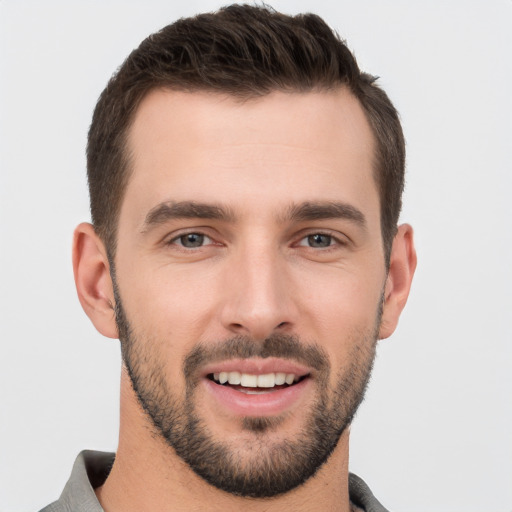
[{"x": 92, "y": 468}]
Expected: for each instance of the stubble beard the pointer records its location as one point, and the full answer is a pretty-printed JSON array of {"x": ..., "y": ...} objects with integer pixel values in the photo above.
[{"x": 262, "y": 469}]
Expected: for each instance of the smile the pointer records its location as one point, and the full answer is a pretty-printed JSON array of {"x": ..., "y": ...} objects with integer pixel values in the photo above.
[
  {"x": 247, "y": 380},
  {"x": 257, "y": 388}
]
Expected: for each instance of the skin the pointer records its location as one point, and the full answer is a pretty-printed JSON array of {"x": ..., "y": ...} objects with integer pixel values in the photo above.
[{"x": 256, "y": 274}]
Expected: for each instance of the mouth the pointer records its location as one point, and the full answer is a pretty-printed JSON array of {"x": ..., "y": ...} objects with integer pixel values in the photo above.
[
  {"x": 256, "y": 387},
  {"x": 252, "y": 384}
]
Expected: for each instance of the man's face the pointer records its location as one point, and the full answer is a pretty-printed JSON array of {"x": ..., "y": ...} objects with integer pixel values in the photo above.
[{"x": 249, "y": 249}]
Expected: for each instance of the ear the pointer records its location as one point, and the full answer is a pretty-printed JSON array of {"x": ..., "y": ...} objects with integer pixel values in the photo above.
[
  {"x": 402, "y": 265},
  {"x": 92, "y": 279}
]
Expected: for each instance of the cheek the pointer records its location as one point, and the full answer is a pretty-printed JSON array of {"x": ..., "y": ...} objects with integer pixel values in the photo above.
[
  {"x": 341, "y": 310},
  {"x": 172, "y": 307}
]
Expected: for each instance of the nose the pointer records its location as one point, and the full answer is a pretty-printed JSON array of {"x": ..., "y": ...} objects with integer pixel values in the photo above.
[{"x": 258, "y": 295}]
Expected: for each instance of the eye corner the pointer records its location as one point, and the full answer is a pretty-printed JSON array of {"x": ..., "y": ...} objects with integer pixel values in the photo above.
[
  {"x": 187, "y": 240},
  {"x": 322, "y": 240}
]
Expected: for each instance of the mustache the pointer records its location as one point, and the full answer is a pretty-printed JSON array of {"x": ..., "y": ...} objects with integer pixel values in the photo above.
[{"x": 283, "y": 346}]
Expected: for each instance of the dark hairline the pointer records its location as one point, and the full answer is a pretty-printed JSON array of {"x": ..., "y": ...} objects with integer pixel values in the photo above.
[{"x": 254, "y": 52}]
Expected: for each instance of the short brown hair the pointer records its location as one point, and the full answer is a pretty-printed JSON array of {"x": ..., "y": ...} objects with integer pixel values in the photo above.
[{"x": 247, "y": 52}]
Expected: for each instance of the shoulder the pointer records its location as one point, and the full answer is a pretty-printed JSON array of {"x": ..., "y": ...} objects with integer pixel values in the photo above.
[
  {"x": 52, "y": 507},
  {"x": 362, "y": 497},
  {"x": 89, "y": 471}
]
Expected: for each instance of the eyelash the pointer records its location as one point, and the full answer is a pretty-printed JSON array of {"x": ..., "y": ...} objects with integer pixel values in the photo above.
[
  {"x": 334, "y": 241},
  {"x": 176, "y": 239}
]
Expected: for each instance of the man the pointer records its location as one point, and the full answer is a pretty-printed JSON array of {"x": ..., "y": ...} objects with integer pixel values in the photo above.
[{"x": 245, "y": 183}]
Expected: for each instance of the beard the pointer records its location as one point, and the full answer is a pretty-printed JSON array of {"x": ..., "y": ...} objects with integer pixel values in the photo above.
[{"x": 261, "y": 468}]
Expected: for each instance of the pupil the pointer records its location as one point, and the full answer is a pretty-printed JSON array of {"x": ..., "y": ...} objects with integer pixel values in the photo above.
[
  {"x": 319, "y": 240},
  {"x": 192, "y": 240}
]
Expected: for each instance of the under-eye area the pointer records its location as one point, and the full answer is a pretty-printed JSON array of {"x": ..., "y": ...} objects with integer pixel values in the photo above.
[{"x": 253, "y": 384}]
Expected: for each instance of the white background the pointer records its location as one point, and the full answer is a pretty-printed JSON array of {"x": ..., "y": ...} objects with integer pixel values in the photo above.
[{"x": 435, "y": 433}]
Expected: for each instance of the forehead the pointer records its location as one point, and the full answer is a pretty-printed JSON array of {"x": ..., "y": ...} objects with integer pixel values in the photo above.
[{"x": 285, "y": 147}]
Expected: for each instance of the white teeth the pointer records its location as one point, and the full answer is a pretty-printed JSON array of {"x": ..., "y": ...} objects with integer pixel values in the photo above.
[
  {"x": 234, "y": 378},
  {"x": 280, "y": 379},
  {"x": 247, "y": 380},
  {"x": 289, "y": 378},
  {"x": 266, "y": 381}
]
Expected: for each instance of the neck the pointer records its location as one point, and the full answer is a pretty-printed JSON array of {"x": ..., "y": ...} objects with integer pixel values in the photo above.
[{"x": 148, "y": 475}]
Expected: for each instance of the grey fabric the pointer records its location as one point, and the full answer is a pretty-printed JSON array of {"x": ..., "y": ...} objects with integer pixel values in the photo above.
[
  {"x": 361, "y": 496},
  {"x": 92, "y": 468}
]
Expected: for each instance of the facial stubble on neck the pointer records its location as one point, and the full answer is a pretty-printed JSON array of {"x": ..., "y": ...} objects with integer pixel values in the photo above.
[{"x": 261, "y": 469}]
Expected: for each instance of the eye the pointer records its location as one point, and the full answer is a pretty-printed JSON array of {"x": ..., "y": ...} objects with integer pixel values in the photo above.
[
  {"x": 192, "y": 240},
  {"x": 317, "y": 241}
]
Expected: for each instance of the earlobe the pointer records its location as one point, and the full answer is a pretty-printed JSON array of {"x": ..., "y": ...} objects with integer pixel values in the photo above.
[
  {"x": 92, "y": 279},
  {"x": 398, "y": 283}
]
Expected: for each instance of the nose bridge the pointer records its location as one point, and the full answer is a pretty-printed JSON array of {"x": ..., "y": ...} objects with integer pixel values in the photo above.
[{"x": 257, "y": 300}]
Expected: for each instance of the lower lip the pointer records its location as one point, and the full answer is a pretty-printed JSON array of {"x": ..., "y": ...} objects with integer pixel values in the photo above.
[{"x": 270, "y": 403}]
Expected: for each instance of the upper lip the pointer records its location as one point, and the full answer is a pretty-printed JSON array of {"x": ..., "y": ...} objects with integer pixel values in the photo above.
[{"x": 257, "y": 366}]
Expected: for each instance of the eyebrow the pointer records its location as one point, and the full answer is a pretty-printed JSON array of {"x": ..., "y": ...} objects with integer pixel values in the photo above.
[
  {"x": 170, "y": 210},
  {"x": 325, "y": 210},
  {"x": 307, "y": 211}
]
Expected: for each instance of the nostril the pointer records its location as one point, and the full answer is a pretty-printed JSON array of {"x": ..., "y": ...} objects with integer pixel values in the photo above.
[{"x": 258, "y": 329}]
